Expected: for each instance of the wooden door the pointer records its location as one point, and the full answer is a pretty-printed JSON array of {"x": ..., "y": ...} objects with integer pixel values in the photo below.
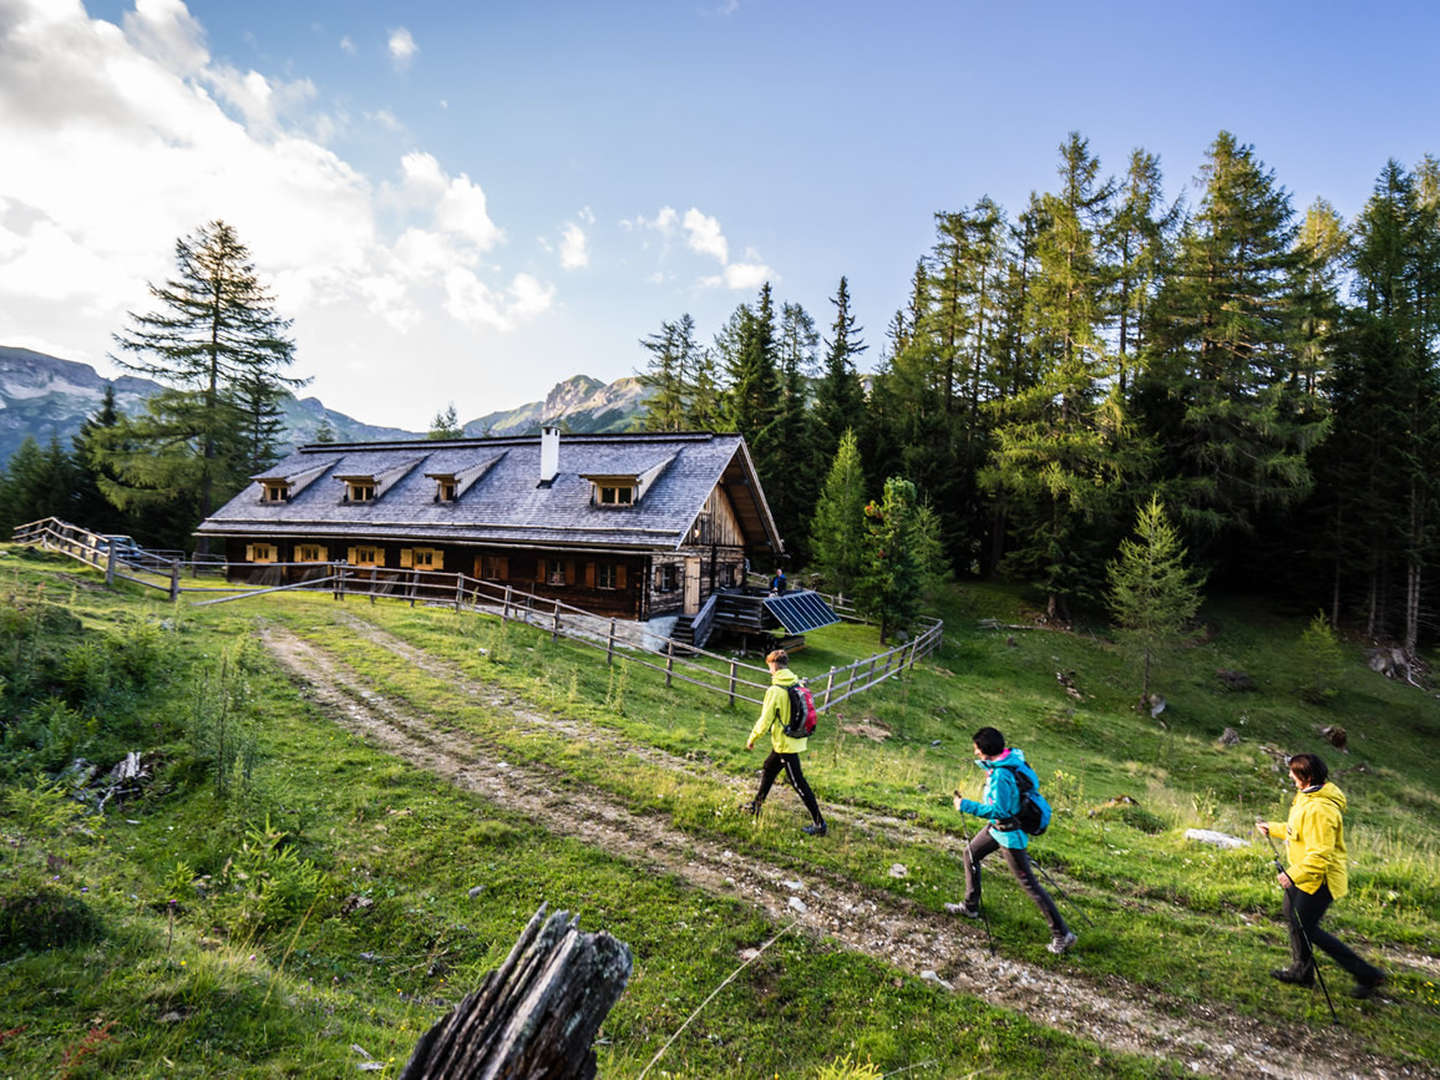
[{"x": 692, "y": 584}]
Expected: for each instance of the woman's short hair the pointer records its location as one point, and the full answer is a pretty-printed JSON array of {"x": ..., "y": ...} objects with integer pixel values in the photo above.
[
  {"x": 989, "y": 741},
  {"x": 779, "y": 656},
  {"x": 1310, "y": 769}
]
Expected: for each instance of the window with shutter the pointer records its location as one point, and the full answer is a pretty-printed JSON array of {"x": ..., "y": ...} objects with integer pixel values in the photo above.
[{"x": 407, "y": 558}]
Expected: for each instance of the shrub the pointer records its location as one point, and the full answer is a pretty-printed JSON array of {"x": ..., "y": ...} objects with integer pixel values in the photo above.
[
  {"x": 45, "y": 918},
  {"x": 1320, "y": 660}
]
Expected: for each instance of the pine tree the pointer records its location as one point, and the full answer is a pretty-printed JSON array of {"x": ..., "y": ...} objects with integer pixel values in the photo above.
[
  {"x": 38, "y": 483},
  {"x": 1140, "y": 238},
  {"x": 215, "y": 330},
  {"x": 1152, "y": 592},
  {"x": 445, "y": 424},
  {"x": 790, "y": 486},
  {"x": 325, "y": 431},
  {"x": 91, "y": 508},
  {"x": 752, "y": 394},
  {"x": 839, "y": 398},
  {"x": 837, "y": 536},
  {"x": 889, "y": 587}
]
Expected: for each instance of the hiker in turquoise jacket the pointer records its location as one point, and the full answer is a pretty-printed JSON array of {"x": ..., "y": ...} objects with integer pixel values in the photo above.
[
  {"x": 784, "y": 751},
  {"x": 1000, "y": 803}
]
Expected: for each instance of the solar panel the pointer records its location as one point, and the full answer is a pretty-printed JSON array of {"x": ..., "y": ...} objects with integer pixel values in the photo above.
[{"x": 801, "y": 612}]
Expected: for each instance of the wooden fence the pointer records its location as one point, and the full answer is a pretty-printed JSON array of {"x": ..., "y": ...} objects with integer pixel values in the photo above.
[{"x": 736, "y": 679}]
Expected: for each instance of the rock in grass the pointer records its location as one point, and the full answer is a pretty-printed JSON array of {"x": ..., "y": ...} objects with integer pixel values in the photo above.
[
  {"x": 476, "y": 891},
  {"x": 1230, "y": 737},
  {"x": 798, "y": 905},
  {"x": 1217, "y": 839},
  {"x": 899, "y": 870},
  {"x": 934, "y": 977}
]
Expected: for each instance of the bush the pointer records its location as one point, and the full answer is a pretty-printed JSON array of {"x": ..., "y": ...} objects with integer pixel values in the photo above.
[
  {"x": 1320, "y": 660},
  {"x": 45, "y": 918}
]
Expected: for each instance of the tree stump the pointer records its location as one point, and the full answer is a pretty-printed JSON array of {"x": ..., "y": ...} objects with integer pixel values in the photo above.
[{"x": 536, "y": 1015}]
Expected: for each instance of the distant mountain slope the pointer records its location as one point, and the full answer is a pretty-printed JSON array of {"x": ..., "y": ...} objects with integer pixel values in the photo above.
[{"x": 42, "y": 395}]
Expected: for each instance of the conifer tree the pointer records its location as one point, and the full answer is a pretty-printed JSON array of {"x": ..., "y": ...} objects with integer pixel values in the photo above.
[
  {"x": 1139, "y": 237},
  {"x": 92, "y": 510},
  {"x": 445, "y": 424},
  {"x": 669, "y": 373},
  {"x": 839, "y": 398},
  {"x": 1152, "y": 592},
  {"x": 214, "y": 329},
  {"x": 324, "y": 431},
  {"x": 837, "y": 536},
  {"x": 790, "y": 486},
  {"x": 1217, "y": 386},
  {"x": 752, "y": 393},
  {"x": 889, "y": 588}
]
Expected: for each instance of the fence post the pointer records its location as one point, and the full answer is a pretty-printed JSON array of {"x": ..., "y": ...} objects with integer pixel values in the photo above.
[
  {"x": 459, "y": 590},
  {"x": 610, "y": 644},
  {"x": 110, "y": 567},
  {"x": 732, "y": 683},
  {"x": 505, "y": 611},
  {"x": 555, "y": 629},
  {"x": 175, "y": 581},
  {"x": 669, "y": 661},
  {"x": 829, "y": 682}
]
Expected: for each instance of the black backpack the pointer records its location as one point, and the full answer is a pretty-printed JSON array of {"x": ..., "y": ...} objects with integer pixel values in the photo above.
[{"x": 1033, "y": 817}]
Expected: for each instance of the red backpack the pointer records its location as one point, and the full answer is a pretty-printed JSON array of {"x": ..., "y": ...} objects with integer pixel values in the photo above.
[{"x": 802, "y": 712}]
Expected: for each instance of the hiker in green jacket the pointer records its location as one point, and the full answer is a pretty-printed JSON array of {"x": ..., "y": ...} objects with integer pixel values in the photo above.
[{"x": 784, "y": 751}]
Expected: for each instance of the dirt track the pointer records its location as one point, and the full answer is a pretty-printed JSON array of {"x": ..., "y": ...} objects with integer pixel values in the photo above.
[{"x": 1112, "y": 1012}]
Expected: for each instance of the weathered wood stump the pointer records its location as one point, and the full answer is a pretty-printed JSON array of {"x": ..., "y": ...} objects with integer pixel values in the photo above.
[{"x": 536, "y": 1015}]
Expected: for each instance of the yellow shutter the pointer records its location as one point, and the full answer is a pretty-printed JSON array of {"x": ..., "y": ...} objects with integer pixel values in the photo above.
[
  {"x": 379, "y": 556},
  {"x": 540, "y": 570},
  {"x": 620, "y": 575},
  {"x": 407, "y": 558},
  {"x": 322, "y": 553},
  {"x": 439, "y": 560},
  {"x": 590, "y": 575},
  {"x": 249, "y": 552},
  {"x": 350, "y": 556}
]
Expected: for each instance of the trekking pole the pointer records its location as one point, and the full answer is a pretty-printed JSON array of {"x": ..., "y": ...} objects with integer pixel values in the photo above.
[
  {"x": 974, "y": 871},
  {"x": 1295, "y": 918},
  {"x": 1063, "y": 894}
]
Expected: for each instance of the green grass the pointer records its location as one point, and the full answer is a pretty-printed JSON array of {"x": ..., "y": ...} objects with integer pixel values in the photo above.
[{"x": 284, "y": 982}]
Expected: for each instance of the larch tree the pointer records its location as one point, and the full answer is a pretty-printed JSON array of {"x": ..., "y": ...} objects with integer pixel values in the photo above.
[
  {"x": 216, "y": 341},
  {"x": 668, "y": 374},
  {"x": 839, "y": 397}
]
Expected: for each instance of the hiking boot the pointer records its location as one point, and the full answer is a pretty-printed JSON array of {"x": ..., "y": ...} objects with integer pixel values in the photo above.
[
  {"x": 1367, "y": 989},
  {"x": 1060, "y": 943},
  {"x": 1293, "y": 977},
  {"x": 815, "y": 830},
  {"x": 753, "y": 809},
  {"x": 970, "y": 911}
]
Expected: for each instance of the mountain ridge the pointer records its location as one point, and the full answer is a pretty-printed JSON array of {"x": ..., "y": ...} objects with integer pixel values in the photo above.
[{"x": 44, "y": 396}]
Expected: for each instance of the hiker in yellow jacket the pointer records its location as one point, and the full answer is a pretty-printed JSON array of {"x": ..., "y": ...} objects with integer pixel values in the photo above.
[
  {"x": 1316, "y": 874},
  {"x": 784, "y": 751}
]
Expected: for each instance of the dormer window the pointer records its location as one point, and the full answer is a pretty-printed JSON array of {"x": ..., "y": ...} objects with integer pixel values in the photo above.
[
  {"x": 275, "y": 491},
  {"x": 615, "y": 496},
  {"x": 360, "y": 491},
  {"x": 445, "y": 490}
]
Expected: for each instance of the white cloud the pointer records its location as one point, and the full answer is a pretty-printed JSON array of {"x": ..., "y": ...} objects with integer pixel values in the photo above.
[
  {"x": 574, "y": 252},
  {"x": 704, "y": 235},
  {"x": 587, "y": 215},
  {"x": 402, "y": 47},
  {"x": 741, "y": 276},
  {"x": 133, "y": 135},
  {"x": 347, "y": 45},
  {"x": 387, "y": 120}
]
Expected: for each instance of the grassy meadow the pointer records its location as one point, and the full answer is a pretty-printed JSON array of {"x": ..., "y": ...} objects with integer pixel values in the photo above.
[{"x": 283, "y": 899}]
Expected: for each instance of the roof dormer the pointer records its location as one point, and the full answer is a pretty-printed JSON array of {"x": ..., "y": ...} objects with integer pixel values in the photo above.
[
  {"x": 368, "y": 487},
  {"x": 612, "y": 490},
  {"x": 282, "y": 487},
  {"x": 449, "y": 486}
]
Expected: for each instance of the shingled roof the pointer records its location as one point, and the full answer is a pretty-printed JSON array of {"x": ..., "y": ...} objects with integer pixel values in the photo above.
[{"x": 505, "y": 503}]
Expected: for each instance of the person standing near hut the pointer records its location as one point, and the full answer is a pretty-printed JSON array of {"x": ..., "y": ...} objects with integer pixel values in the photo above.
[
  {"x": 1315, "y": 875},
  {"x": 784, "y": 751}
]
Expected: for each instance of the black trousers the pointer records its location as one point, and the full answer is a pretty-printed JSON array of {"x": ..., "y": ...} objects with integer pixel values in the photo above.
[
  {"x": 983, "y": 844},
  {"x": 1308, "y": 908},
  {"x": 790, "y": 764}
]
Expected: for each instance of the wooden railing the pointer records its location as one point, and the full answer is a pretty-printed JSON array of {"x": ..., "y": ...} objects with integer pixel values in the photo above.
[
  {"x": 704, "y": 621},
  {"x": 689, "y": 663}
]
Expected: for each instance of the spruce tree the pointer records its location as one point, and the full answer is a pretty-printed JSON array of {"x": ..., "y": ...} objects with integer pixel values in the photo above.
[
  {"x": 790, "y": 486},
  {"x": 839, "y": 397},
  {"x": 1217, "y": 387},
  {"x": 214, "y": 330},
  {"x": 837, "y": 535},
  {"x": 752, "y": 394},
  {"x": 668, "y": 375},
  {"x": 92, "y": 510},
  {"x": 445, "y": 424},
  {"x": 1152, "y": 592},
  {"x": 889, "y": 589}
]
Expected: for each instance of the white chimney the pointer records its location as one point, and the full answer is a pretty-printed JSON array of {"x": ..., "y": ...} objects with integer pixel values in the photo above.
[{"x": 549, "y": 454}]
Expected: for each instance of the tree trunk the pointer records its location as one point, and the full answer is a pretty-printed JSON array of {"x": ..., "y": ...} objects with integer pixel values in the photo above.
[{"x": 536, "y": 1015}]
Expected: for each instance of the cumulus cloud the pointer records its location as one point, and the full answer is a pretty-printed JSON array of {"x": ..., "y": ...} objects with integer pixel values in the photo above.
[
  {"x": 402, "y": 47},
  {"x": 704, "y": 236},
  {"x": 132, "y": 135},
  {"x": 574, "y": 252}
]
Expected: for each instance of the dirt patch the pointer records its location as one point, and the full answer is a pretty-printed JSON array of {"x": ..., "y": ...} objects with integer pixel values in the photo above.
[{"x": 1112, "y": 1012}]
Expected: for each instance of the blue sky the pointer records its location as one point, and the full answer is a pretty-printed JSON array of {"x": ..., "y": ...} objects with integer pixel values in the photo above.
[{"x": 468, "y": 202}]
